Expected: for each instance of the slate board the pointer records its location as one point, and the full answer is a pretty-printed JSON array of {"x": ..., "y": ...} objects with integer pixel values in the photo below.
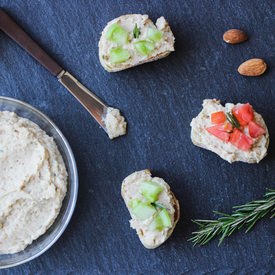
[{"x": 159, "y": 101}]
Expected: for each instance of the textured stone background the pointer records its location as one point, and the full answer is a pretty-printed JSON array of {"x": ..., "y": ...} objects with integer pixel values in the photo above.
[{"x": 159, "y": 101}]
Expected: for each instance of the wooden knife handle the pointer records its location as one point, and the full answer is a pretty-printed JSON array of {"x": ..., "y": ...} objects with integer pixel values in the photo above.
[{"x": 8, "y": 25}]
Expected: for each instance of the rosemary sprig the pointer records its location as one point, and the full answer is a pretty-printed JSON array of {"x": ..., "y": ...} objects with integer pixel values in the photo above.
[
  {"x": 136, "y": 31},
  {"x": 232, "y": 119},
  {"x": 243, "y": 216}
]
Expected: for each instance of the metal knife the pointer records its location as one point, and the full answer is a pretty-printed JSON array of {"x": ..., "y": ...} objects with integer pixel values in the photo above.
[{"x": 94, "y": 105}]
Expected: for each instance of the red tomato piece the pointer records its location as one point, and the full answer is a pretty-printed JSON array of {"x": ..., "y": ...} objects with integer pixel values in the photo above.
[
  {"x": 224, "y": 127},
  {"x": 240, "y": 140},
  {"x": 255, "y": 130},
  {"x": 227, "y": 127},
  {"x": 217, "y": 132},
  {"x": 218, "y": 117},
  {"x": 244, "y": 113}
]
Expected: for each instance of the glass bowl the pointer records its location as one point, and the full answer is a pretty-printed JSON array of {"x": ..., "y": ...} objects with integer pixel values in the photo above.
[{"x": 45, "y": 241}]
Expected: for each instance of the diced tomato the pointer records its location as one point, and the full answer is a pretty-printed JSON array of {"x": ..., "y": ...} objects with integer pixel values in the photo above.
[
  {"x": 218, "y": 117},
  {"x": 227, "y": 127},
  {"x": 255, "y": 130},
  {"x": 217, "y": 132},
  {"x": 224, "y": 127},
  {"x": 244, "y": 113},
  {"x": 240, "y": 140}
]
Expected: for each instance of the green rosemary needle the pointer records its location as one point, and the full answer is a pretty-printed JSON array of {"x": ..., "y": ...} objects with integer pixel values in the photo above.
[
  {"x": 242, "y": 216},
  {"x": 136, "y": 31},
  {"x": 157, "y": 205},
  {"x": 232, "y": 119}
]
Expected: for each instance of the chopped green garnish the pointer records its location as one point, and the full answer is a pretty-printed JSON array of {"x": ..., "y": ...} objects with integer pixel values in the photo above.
[
  {"x": 154, "y": 35},
  {"x": 161, "y": 221},
  {"x": 156, "y": 224},
  {"x": 119, "y": 55},
  {"x": 117, "y": 34},
  {"x": 150, "y": 190},
  {"x": 133, "y": 203},
  {"x": 157, "y": 205},
  {"x": 144, "y": 47},
  {"x": 233, "y": 120},
  {"x": 143, "y": 211},
  {"x": 136, "y": 31},
  {"x": 165, "y": 218}
]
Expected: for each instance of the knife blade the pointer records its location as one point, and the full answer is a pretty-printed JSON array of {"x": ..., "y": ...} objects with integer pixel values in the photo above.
[{"x": 89, "y": 101}]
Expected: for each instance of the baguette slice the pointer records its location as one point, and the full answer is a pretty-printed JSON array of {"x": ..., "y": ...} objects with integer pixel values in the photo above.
[
  {"x": 162, "y": 48},
  {"x": 200, "y": 137},
  {"x": 130, "y": 190}
]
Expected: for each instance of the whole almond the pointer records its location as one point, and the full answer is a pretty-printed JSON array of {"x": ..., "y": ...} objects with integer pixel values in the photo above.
[
  {"x": 252, "y": 67},
  {"x": 234, "y": 36}
]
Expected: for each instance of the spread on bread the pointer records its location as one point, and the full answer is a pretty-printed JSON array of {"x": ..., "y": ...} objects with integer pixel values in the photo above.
[
  {"x": 152, "y": 206},
  {"x": 234, "y": 132},
  {"x": 133, "y": 39}
]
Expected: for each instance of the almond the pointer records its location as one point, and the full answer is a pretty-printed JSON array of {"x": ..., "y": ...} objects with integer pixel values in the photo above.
[
  {"x": 234, "y": 36},
  {"x": 252, "y": 67}
]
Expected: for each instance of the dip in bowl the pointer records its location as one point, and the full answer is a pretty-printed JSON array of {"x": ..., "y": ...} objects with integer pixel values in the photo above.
[{"x": 45, "y": 241}]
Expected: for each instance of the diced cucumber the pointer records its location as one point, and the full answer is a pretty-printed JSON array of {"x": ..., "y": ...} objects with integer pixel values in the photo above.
[
  {"x": 161, "y": 221},
  {"x": 150, "y": 190},
  {"x": 156, "y": 224},
  {"x": 144, "y": 47},
  {"x": 154, "y": 35},
  {"x": 119, "y": 55},
  {"x": 143, "y": 211},
  {"x": 133, "y": 203},
  {"x": 117, "y": 34},
  {"x": 165, "y": 218}
]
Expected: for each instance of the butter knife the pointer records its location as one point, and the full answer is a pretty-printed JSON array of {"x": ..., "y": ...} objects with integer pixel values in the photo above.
[{"x": 94, "y": 105}]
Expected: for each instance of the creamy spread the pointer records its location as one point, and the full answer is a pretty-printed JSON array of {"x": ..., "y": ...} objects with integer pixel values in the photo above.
[
  {"x": 128, "y": 22},
  {"x": 227, "y": 151},
  {"x": 115, "y": 123},
  {"x": 130, "y": 190},
  {"x": 33, "y": 182}
]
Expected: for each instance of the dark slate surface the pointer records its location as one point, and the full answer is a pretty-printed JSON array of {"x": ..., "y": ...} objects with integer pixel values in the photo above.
[{"x": 159, "y": 101}]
